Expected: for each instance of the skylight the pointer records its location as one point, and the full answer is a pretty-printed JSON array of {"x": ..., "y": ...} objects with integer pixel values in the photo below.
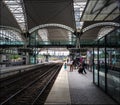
[
  {"x": 43, "y": 33},
  {"x": 79, "y": 7},
  {"x": 16, "y": 8}
]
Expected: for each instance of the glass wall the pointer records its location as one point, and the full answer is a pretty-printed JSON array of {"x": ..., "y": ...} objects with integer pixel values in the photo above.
[
  {"x": 95, "y": 66},
  {"x": 102, "y": 68},
  {"x": 107, "y": 70},
  {"x": 113, "y": 65}
]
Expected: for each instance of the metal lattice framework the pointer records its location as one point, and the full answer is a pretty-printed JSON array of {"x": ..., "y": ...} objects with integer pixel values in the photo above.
[
  {"x": 78, "y": 11},
  {"x": 17, "y": 9},
  {"x": 37, "y": 16},
  {"x": 101, "y": 10}
]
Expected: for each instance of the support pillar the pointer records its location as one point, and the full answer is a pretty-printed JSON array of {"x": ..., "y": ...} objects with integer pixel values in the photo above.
[
  {"x": 98, "y": 63},
  {"x": 46, "y": 58},
  {"x": 106, "y": 69},
  {"x": 78, "y": 41},
  {"x": 93, "y": 67}
]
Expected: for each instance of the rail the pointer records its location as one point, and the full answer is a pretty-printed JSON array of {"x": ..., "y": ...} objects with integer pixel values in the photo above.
[
  {"x": 35, "y": 100},
  {"x": 25, "y": 87}
]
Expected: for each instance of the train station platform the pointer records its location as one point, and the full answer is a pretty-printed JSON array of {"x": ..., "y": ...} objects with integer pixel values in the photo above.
[
  {"x": 74, "y": 88},
  {"x": 8, "y": 71}
]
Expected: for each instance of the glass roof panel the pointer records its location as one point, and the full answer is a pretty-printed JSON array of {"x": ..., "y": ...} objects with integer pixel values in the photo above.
[
  {"x": 16, "y": 8},
  {"x": 43, "y": 33},
  {"x": 79, "y": 7},
  {"x": 98, "y": 10}
]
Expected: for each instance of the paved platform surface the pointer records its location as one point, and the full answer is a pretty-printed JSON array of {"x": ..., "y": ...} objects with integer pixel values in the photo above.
[
  {"x": 83, "y": 91},
  {"x": 16, "y": 69},
  {"x": 60, "y": 94},
  {"x": 74, "y": 88}
]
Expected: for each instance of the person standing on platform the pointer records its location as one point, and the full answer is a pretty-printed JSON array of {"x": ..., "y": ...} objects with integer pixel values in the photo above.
[
  {"x": 71, "y": 65},
  {"x": 65, "y": 66},
  {"x": 67, "y": 60},
  {"x": 83, "y": 67}
]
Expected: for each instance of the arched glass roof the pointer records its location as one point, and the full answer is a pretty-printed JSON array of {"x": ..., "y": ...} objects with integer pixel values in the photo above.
[
  {"x": 17, "y": 9},
  {"x": 55, "y": 19},
  {"x": 10, "y": 35},
  {"x": 51, "y": 25},
  {"x": 101, "y": 24},
  {"x": 43, "y": 33}
]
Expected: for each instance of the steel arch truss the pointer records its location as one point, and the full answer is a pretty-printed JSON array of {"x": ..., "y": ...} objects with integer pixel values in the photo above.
[
  {"x": 101, "y": 24},
  {"x": 51, "y": 25}
]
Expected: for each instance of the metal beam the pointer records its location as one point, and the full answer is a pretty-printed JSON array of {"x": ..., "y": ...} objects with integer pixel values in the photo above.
[
  {"x": 98, "y": 13},
  {"x": 84, "y": 9},
  {"x": 25, "y": 15},
  {"x": 104, "y": 6},
  {"x": 106, "y": 68},
  {"x": 94, "y": 7}
]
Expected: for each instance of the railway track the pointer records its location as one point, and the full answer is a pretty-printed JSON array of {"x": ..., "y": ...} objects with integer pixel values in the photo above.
[
  {"x": 13, "y": 85},
  {"x": 15, "y": 78},
  {"x": 30, "y": 93}
]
